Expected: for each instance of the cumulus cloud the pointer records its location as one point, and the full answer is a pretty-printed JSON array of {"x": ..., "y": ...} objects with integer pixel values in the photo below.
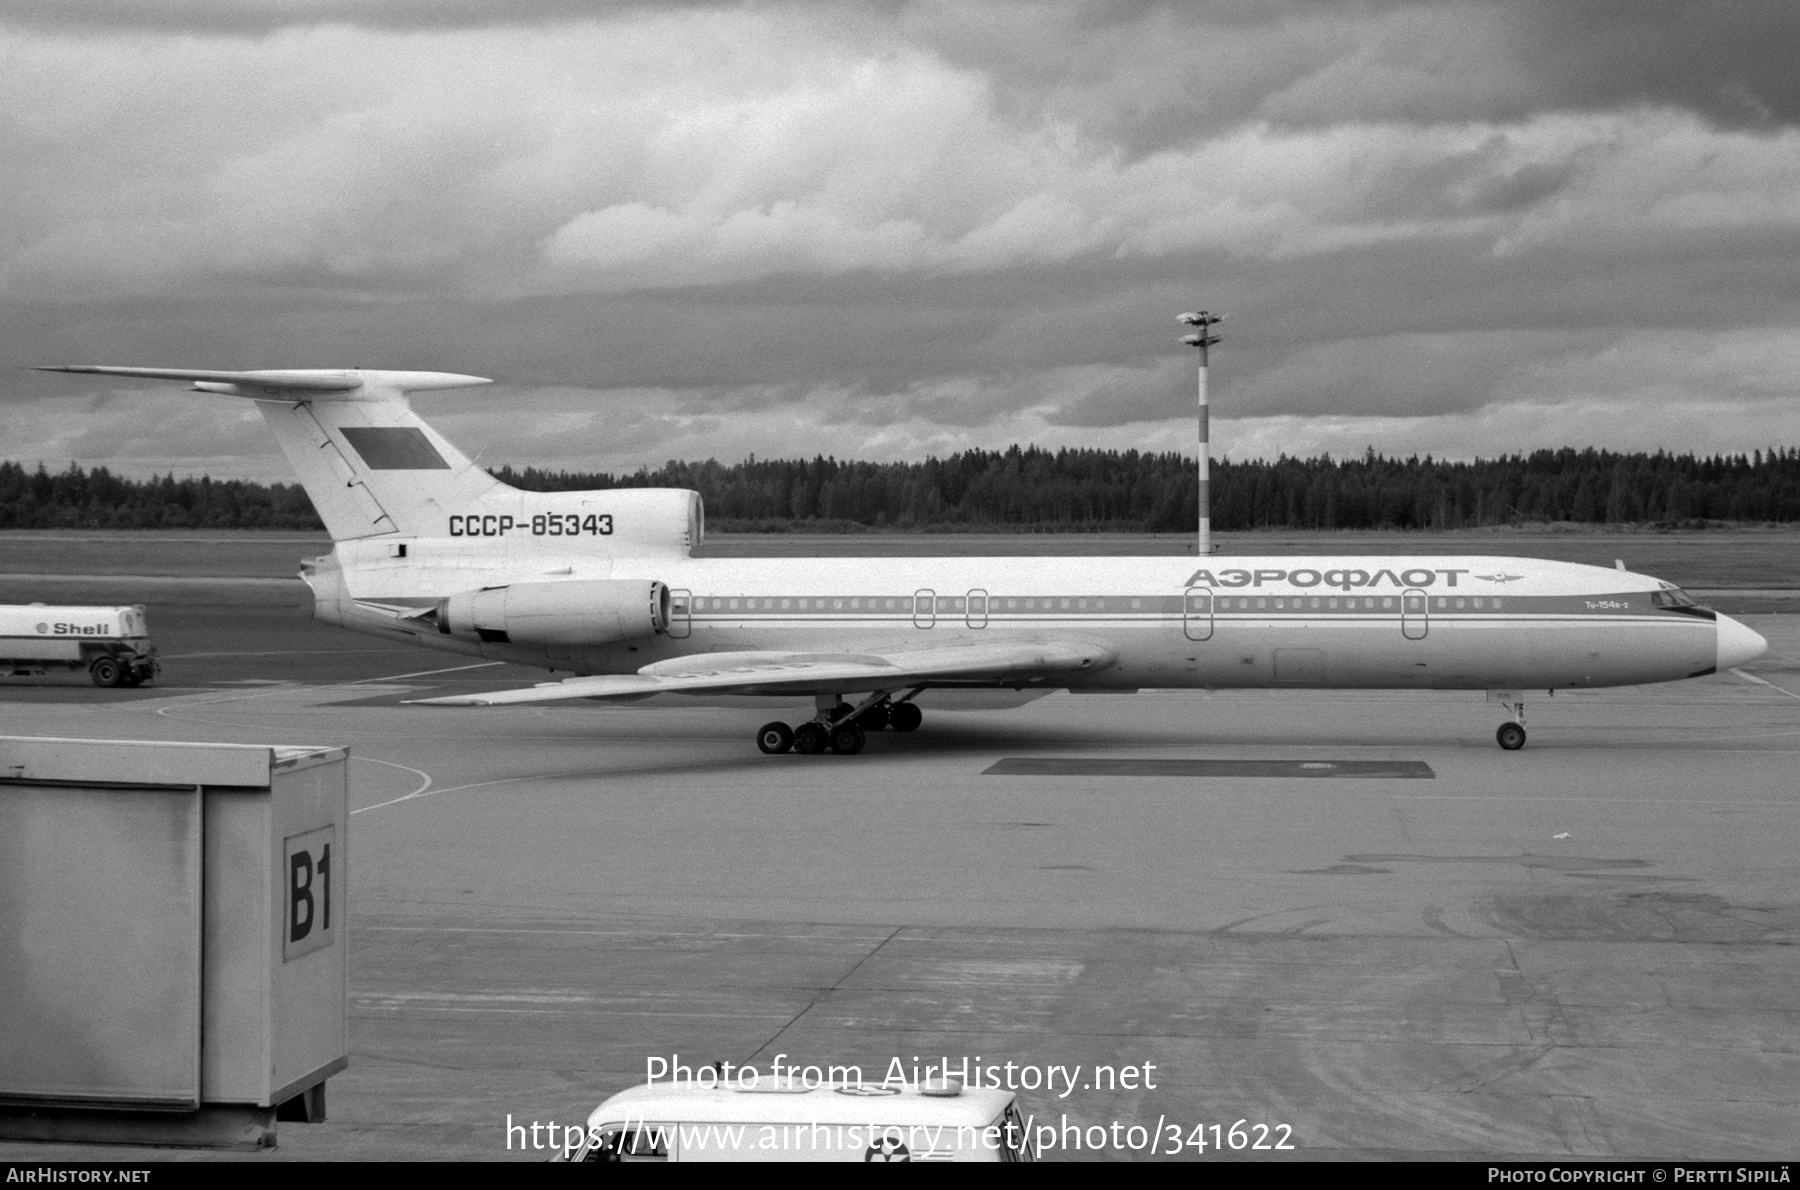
[
  {"x": 903, "y": 227},
  {"x": 718, "y": 148}
]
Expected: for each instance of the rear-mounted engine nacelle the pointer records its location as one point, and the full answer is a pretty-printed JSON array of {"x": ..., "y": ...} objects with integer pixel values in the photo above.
[{"x": 576, "y": 612}]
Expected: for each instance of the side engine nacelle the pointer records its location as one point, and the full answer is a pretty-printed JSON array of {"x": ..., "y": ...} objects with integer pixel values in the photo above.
[{"x": 572, "y": 613}]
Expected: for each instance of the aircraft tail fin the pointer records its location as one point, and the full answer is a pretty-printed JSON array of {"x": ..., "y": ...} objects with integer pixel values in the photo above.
[
  {"x": 371, "y": 465},
  {"x": 374, "y": 468}
]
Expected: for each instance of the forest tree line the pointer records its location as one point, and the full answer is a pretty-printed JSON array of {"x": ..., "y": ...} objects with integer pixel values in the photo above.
[{"x": 1033, "y": 490}]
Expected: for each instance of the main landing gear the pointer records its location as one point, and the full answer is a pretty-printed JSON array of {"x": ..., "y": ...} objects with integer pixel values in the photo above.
[{"x": 840, "y": 727}]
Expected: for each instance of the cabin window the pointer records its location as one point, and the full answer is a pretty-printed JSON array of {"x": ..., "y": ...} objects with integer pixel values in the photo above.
[
  {"x": 1315, "y": 602},
  {"x": 1496, "y": 602},
  {"x": 1081, "y": 603},
  {"x": 1387, "y": 602},
  {"x": 1137, "y": 603},
  {"x": 1100, "y": 605},
  {"x": 1459, "y": 603},
  {"x": 1065, "y": 604},
  {"x": 1442, "y": 602},
  {"x": 1279, "y": 605}
]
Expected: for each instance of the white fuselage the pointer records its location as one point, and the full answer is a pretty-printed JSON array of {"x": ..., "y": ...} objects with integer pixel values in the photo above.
[{"x": 1322, "y": 622}]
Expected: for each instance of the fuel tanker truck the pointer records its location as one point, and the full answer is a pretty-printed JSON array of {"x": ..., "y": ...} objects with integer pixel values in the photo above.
[{"x": 111, "y": 643}]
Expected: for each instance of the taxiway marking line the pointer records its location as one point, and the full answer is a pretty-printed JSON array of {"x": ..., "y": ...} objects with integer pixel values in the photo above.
[
  {"x": 639, "y": 771},
  {"x": 266, "y": 653},
  {"x": 423, "y": 673},
  {"x": 424, "y": 791},
  {"x": 1557, "y": 800},
  {"x": 1765, "y": 682},
  {"x": 288, "y": 689},
  {"x": 392, "y": 765},
  {"x": 603, "y": 933}
]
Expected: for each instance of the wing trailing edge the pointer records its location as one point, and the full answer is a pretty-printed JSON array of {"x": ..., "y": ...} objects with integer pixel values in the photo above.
[{"x": 1023, "y": 663}]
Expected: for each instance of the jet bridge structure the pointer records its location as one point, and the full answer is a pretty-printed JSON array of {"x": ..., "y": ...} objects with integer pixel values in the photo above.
[{"x": 172, "y": 939}]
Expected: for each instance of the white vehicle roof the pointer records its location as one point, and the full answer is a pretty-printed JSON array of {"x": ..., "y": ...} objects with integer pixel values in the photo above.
[{"x": 828, "y": 1103}]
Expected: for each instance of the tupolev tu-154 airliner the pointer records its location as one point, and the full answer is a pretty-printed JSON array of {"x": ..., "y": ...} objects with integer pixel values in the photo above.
[{"x": 431, "y": 548}]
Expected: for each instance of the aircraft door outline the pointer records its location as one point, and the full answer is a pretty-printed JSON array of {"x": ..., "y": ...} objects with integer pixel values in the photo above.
[
  {"x": 977, "y": 614},
  {"x": 1415, "y": 614},
  {"x": 680, "y": 618},
  {"x": 924, "y": 608},
  {"x": 1197, "y": 613}
]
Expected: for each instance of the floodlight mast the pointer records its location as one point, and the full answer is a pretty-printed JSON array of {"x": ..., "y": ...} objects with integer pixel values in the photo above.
[{"x": 1203, "y": 340}]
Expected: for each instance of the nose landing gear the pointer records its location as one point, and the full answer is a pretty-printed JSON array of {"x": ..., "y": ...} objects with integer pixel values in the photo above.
[
  {"x": 840, "y": 727},
  {"x": 1510, "y": 736}
]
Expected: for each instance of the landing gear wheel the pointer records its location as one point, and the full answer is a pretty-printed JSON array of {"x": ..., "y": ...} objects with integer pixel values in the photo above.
[
  {"x": 906, "y": 717},
  {"x": 1510, "y": 736},
  {"x": 775, "y": 738},
  {"x": 847, "y": 739},
  {"x": 875, "y": 718},
  {"x": 840, "y": 711},
  {"x": 107, "y": 672},
  {"x": 809, "y": 738}
]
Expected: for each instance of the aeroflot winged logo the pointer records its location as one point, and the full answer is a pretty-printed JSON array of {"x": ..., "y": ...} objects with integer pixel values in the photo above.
[
  {"x": 1499, "y": 578},
  {"x": 1344, "y": 580}
]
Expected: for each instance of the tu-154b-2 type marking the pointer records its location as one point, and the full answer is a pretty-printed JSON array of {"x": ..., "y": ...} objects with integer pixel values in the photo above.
[{"x": 432, "y": 549}]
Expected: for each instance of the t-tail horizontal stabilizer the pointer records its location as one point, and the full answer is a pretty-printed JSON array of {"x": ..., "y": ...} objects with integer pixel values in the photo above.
[{"x": 306, "y": 384}]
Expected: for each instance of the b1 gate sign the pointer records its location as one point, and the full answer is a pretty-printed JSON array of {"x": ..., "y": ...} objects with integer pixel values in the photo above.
[{"x": 309, "y": 924}]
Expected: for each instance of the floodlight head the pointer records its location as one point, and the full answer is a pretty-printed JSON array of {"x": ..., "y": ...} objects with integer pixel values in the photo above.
[
  {"x": 1191, "y": 318},
  {"x": 1191, "y": 340}
]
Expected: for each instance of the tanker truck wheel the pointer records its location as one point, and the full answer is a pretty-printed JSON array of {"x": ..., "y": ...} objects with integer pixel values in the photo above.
[{"x": 106, "y": 671}]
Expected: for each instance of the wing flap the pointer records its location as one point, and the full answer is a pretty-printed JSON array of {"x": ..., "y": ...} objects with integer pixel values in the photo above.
[{"x": 809, "y": 673}]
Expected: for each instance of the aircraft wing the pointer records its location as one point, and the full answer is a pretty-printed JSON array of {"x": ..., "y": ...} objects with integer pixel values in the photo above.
[{"x": 1022, "y": 663}]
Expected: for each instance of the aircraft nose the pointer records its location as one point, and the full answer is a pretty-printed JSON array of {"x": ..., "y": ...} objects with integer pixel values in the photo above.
[{"x": 1738, "y": 644}]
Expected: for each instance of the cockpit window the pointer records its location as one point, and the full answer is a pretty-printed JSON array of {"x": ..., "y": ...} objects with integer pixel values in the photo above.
[{"x": 1672, "y": 597}]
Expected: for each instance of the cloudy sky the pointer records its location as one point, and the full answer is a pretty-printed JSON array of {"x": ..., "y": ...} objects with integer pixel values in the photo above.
[{"x": 892, "y": 229}]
